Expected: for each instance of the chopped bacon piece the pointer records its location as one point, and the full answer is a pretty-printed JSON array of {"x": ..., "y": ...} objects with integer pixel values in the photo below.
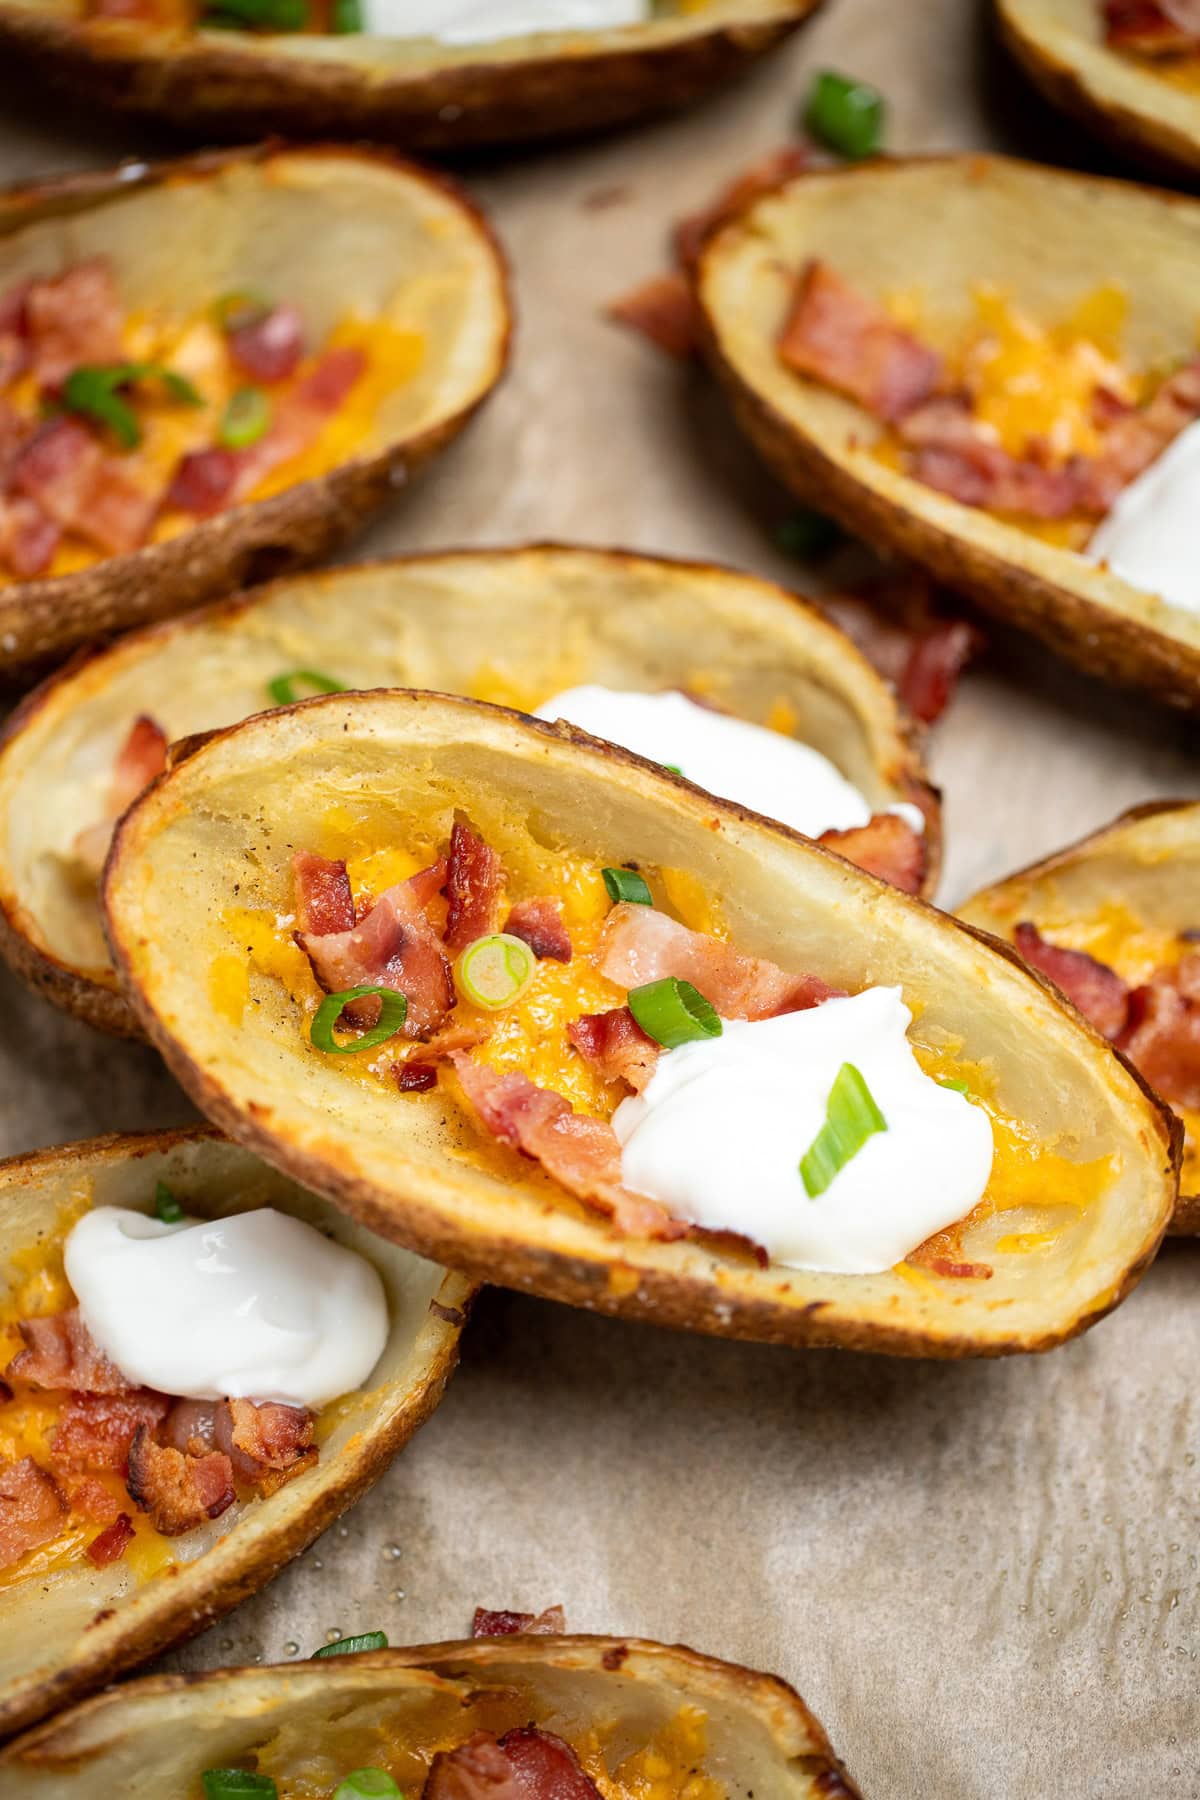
[
  {"x": 66, "y": 472},
  {"x": 526, "y": 1764},
  {"x": 579, "y": 1152},
  {"x": 936, "y": 661},
  {"x": 301, "y": 414},
  {"x": 886, "y": 846},
  {"x": 32, "y": 1510},
  {"x": 178, "y": 1491},
  {"x": 1098, "y": 991},
  {"x": 95, "y": 1430},
  {"x": 416, "y": 1077},
  {"x": 1153, "y": 27},
  {"x": 844, "y": 339},
  {"x": 510, "y": 1624},
  {"x": 616, "y": 1046},
  {"x": 899, "y": 626},
  {"x": 112, "y": 1543},
  {"x": 761, "y": 176},
  {"x": 477, "y": 1770},
  {"x": 324, "y": 901},
  {"x": 1162, "y": 1036},
  {"x": 140, "y": 759},
  {"x": 60, "y": 1353},
  {"x": 269, "y": 346},
  {"x": 661, "y": 309},
  {"x": 393, "y": 946},
  {"x": 72, "y": 320},
  {"x": 474, "y": 883},
  {"x": 29, "y": 538},
  {"x": 190, "y": 1426},
  {"x": 942, "y": 1254},
  {"x": 92, "y": 1499},
  {"x": 1136, "y": 436},
  {"x": 203, "y": 482},
  {"x": 958, "y": 455},
  {"x": 14, "y": 333},
  {"x": 539, "y": 923},
  {"x": 640, "y": 944},
  {"x": 267, "y": 1444}
]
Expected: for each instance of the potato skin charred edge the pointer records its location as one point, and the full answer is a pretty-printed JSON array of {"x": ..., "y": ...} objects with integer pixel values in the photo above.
[
  {"x": 93, "y": 1648},
  {"x": 592, "y": 1267}
]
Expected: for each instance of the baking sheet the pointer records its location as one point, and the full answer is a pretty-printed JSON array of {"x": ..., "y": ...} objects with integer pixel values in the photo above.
[{"x": 982, "y": 1577}]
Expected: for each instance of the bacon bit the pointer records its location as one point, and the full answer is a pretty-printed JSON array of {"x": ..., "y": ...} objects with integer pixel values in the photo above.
[
  {"x": 953, "y": 452},
  {"x": 324, "y": 901},
  {"x": 935, "y": 663},
  {"x": 527, "y": 1764},
  {"x": 886, "y": 846},
  {"x": 844, "y": 339},
  {"x": 1137, "y": 436},
  {"x": 735, "y": 1241},
  {"x": 190, "y": 1426},
  {"x": 640, "y": 944},
  {"x": 901, "y": 627},
  {"x": 14, "y": 333},
  {"x": 300, "y": 416},
  {"x": 768, "y": 172},
  {"x": 1152, "y": 27},
  {"x": 539, "y": 923},
  {"x": 178, "y": 1491},
  {"x": 415, "y": 1077},
  {"x": 511, "y": 1624},
  {"x": 73, "y": 319},
  {"x": 31, "y": 1509},
  {"x": 477, "y": 1770},
  {"x": 942, "y": 1254},
  {"x": 66, "y": 473},
  {"x": 1162, "y": 1037},
  {"x": 203, "y": 482},
  {"x": 580, "y": 1153},
  {"x": 474, "y": 883},
  {"x": 663, "y": 311},
  {"x": 93, "y": 1500},
  {"x": 141, "y": 758},
  {"x": 270, "y": 346},
  {"x": 112, "y": 1544},
  {"x": 1098, "y": 991},
  {"x": 95, "y": 1430},
  {"x": 616, "y": 1046},
  {"x": 60, "y": 1353},
  {"x": 29, "y": 539},
  {"x": 393, "y": 946},
  {"x": 268, "y": 1444}
]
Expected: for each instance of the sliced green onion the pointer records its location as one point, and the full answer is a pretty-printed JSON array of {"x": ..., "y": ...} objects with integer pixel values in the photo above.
[
  {"x": 241, "y": 306},
  {"x": 494, "y": 971},
  {"x": 347, "y": 15},
  {"x": 236, "y": 1784},
  {"x": 95, "y": 391},
  {"x": 366, "y": 1640},
  {"x": 851, "y": 1117},
  {"x": 845, "y": 115},
  {"x": 283, "y": 688},
  {"x": 673, "y": 768},
  {"x": 806, "y": 533},
  {"x": 673, "y": 1012},
  {"x": 265, "y": 15},
  {"x": 166, "y": 1206},
  {"x": 246, "y": 419},
  {"x": 952, "y": 1082},
  {"x": 627, "y": 885},
  {"x": 392, "y": 1013},
  {"x": 367, "y": 1784}
]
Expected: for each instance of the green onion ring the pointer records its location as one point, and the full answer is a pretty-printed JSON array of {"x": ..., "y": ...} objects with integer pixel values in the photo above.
[
  {"x": 350, "y": 1646},
  {"x": 392, "y": 1013},
  {"x": 246, "y": 419},
  {"x": 627, "y": 885},
  {"x": 494, "y": 971},
  {"x": 673, "y": 1012},
  {"x": 367, "y": 1784}
]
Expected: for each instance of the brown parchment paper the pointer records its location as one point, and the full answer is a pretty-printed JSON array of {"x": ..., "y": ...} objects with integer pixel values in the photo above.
[{"x": 982, "y": 1577}]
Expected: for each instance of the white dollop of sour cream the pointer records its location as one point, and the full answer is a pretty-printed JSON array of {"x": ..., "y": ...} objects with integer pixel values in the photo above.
[
  {"x": 772, "y": 774},
  {"x": 485, "y": 21},
  {"x": 1151, "y": 537},
  {"x": 256, "y": 1306},
  {"x": 719, "y": 1131}
]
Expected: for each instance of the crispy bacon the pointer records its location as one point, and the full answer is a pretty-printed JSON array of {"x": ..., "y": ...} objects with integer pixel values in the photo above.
[
  {"x": 73, "y": 319},
  {"x": 64, "y": 470},
  {"x": 526, "y": 1764},
  {"x": 937, "y": 659},
  {"x": 1162, "y": 1036},
  {"x": 29, "y": 539},
  {"x": 140, "y": 759},
  {"x": 1098, "y": 991},
  {"x": 179, "y": 1491},
  {"x": 662, "y": 310},
  {"x": 1153, "y": 27},
  {"x": 539, "y": 923},
  {"x": 942, "y": 1254},
  {"x": 900, "y": 626},
  {"x": 477, "y": 1770},
  {"x": 15, "y": 352},
  {"x": 32, "y": 1510},
  {"x": 616, "y": 1046},
  {"x": 416, "y": 1077},
  {"x": 886, "y": 846},
  {"x": 1134, "y": 437},
  {"x": 203, "y": 482},
  {"x": 844, "y": 339},
  {"x": 509, "y": 1624},
  {"x": 474, "y": 883},
  {"x": 580, "y": 1153},
  {"x": 301, "y": 414},
  {"x": 955, "y": 453},
  {"x": 640, "y": 944},
  {"x": 60, "y": 1353},
  {"x": 269, "y": 1444},
  {"x": 269, "y": 346},
  {"x": 112, "y": 1543},
  {"x": 90, "y": 1498},
  {"x": 393, "y": 946},
  {"x": 324, "y": 901},
  {"x": 95, "y": 1430}
]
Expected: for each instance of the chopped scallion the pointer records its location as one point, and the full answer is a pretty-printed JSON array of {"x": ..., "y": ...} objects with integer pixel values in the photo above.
[
  {"x": 166, "y": 1206},
  {"x": 367, "y": 1784},
  {"x": 495, "y": 971},
  {"x": 845, "y": 115},
  {"x": 261, "y": 15},
  {"x": 851, "y": 1117},
  {"x": 673, "y": 768},
  {"x": 673, "y": 1012},
  {"x": 245, "y": 420},
  {"x": 96, "y": 392},
  {"x": 350, "y": 1646},
  {"x": 283, "y": 688},
  {"x": 627, "y": 885},
  {"x": 393, "y": 1011},
  {"x": 952, "y": 1082},
  {"x": 237, "y": 1784},
  {"x": 347, "y": 15}
]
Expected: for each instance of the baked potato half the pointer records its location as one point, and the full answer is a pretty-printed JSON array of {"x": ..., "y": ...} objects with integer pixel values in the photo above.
[
  {"x": 518, "y": 625},
  {"x": 1125, "y": 100},
  {"x": 408, "y": 271},
  {"x": 71, "y": 1626},
  {"x": 415, "y": 92},
  {"x": 200, "y": 910},
  {"x": 1121, "y": 897},
  {"x": 734, "y": 1731},
  {"x": 937, "y": 231}
]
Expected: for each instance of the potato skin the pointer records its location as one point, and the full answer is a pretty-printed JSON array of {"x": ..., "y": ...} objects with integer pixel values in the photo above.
[{"x": 227, "y": 94}]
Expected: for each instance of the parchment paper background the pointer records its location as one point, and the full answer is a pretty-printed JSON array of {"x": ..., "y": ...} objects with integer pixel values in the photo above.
[{"x": 982, "y": 1577}]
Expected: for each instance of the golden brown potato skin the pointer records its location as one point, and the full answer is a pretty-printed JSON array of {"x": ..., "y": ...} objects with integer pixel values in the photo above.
[
  {"x": 41, "y": 620},
  {"x": 1086, "y": 616},
  {"x": 227, "y": 91}
]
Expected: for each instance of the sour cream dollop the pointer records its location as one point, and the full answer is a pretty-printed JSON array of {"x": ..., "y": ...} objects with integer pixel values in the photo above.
[
  {"x": 773, "y": 774},
  {"x": 258, "y": 1306},
  {"x": 485, "y": 21},
  {"x": 1151, "y": 537},
  {"x": 718, "y": 1133}
]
